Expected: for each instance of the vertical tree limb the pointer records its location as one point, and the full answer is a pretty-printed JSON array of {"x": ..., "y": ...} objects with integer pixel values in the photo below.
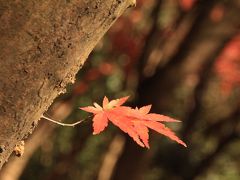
[{"x": 42, "y": 46}]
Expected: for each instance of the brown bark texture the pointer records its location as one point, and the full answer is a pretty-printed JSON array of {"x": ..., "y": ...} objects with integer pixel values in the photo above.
[{"x": 42, "y": 46}]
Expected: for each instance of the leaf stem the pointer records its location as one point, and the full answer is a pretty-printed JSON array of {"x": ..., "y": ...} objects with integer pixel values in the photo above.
[{"x": 62, "y": 124}]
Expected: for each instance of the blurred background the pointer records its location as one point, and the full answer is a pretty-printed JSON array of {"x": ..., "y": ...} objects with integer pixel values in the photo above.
[{"x": 181, "y": 56}]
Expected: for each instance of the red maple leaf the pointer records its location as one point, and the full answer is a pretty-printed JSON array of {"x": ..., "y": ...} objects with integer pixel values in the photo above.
[{"x": 134, "y": 122}]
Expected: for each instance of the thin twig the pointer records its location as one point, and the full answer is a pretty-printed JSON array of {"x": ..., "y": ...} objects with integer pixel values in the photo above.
[{"x": 63, "y": 124}]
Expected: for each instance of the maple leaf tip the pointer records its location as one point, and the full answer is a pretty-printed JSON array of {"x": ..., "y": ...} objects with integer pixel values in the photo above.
[
  {"x": 183, "y": 143},
  {"x": 125, "y": 98},
  {"x": 176, "y": 120},
  {"x": 105, "y": 98},
  {"x": 105, "y": 102}
]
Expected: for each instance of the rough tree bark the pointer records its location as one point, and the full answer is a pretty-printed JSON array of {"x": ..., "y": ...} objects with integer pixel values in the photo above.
[{"x": 42, "y": 46}]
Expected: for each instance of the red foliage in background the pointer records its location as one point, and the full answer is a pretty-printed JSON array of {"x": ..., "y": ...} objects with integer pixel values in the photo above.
[
  {"x": 227, "y": 65},
  {"x": 93, "y": 74},
  {"x": 186, "y": 4},
  {"x": 217, "y": 13}
]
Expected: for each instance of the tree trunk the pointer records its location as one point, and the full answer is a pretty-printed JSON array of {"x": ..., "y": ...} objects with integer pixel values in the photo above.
[{"x": 42, "y": 46}]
